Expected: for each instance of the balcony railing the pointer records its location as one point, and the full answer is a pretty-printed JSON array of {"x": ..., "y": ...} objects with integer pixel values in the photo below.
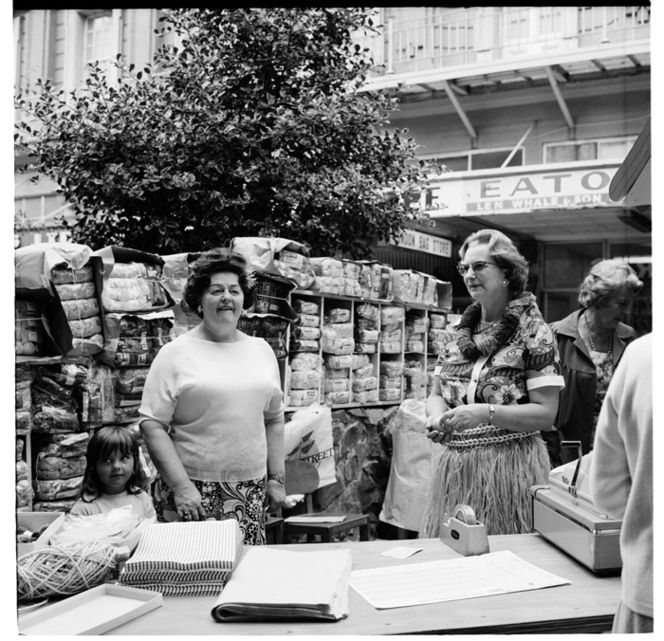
[{"x": 478, "y": 34}]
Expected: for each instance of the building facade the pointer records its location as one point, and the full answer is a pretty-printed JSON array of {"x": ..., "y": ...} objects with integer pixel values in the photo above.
[{"x": 531, "y": 111}]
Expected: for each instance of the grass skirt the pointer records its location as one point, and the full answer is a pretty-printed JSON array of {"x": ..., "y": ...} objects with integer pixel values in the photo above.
[{"x": 490, "y": 469}]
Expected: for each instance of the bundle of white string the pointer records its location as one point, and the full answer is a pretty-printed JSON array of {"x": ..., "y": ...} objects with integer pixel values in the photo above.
[{"x": 52, "y": 570}]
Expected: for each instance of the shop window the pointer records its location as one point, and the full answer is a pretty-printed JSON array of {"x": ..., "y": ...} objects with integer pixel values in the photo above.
[
  {"x": 565, "y": 266},
  {"x": 477, "y": 160},
  {"x": 607, "y": 149}
]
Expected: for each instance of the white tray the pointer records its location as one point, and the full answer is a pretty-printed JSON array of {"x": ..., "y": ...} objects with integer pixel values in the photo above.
[{"x": 93, "y": 612}]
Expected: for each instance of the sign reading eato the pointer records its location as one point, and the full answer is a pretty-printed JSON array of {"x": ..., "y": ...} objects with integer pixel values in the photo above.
[{"x": 526, "y": 191}]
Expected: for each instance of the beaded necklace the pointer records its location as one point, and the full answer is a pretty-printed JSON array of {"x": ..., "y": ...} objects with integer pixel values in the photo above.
[{"x": 590, "y": 338}]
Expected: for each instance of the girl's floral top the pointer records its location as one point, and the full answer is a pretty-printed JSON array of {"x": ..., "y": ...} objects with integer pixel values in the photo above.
[{"x": 527, "y": 361}]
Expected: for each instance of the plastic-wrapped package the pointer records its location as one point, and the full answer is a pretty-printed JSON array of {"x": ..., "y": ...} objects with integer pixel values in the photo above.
[
  {"x": 337, "y": 315},
  {"x": 22, "y": 471},
  {"x": 366, "y": 348},
  {"x": 85, "y": 327},
  {"x": 302, "y": 306},
  {"x": 336, "y": 373},
  {"x": 415, "y": 346},
  {"x": 306, "y": 333},
  {"x": 20, "y": 446},
  {"x": 305, "y": 361},
  {"x": 391, "y": 314},
  {"x": 23, "y": 492},
  {"x": 23, "y": 421},
  {"x": 80, "y": 308},
  {"x": 51, "y": 467},
  {"x": 391, "y": 337},
  {"x": 136, "y": 270},
  {"x": 336, "y": 385},
  {"x": 344, "y": 361},
  {"x": 61, "y": 505},
  {"x": 359, "y": 360},
  {"x": 389, "y": 394},
  {"x": 364, "y": 279},
  {"x": 62, "y": 274},
  {"x": 329, "y": 267},
  {"x": 430, "y": 291},
  {"x": 368, "y": 312},
  {"x": 401, "y": 284},
  {"x": 304, "y": 379},
  {"x": 131, "y": 380},
  {"x": 338, "y": 330},
  {"x": 416, "y": 325},
  {"x": 392, "y": 382},
  {"x": 387, "y": 347},
  {"x": 351, "y": 287},
  {"x": 437, "y": 334},
  {"x": 363, "y": 371},
  {"x": 437, "y": 321},
  {"x": 337, "y": 346},
  {"x": 308, "y": 320},
  {"x": 367, "y": 396},
  {"x": 365, "y": 384},
  {"x": 366, "y": 335},
  {"x": 73, "y": 291},
  {"x": 302, "y": 345},
  {"x": 329, "y": 284},
  {"x": 302, "y": 397},
  {"x": 337, "y": 398},
  {"x": 59, "y": 488},
  {"x": 65, "y": 445}
]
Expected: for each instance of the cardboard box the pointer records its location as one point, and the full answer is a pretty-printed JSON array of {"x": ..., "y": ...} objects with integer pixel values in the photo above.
[{"x": 34, "y": 521}]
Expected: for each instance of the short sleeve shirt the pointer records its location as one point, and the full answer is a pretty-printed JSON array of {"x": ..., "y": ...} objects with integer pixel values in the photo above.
[{"x": 529, "y": 360}]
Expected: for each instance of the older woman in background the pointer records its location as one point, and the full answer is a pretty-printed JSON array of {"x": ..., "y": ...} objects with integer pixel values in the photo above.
[
  {"x": 495, "y": 388},
  {"x": 591, "y": 342},
  {"x": 212, "y": 409}
]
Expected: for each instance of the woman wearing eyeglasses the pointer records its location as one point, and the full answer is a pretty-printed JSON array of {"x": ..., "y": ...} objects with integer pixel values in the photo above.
[
  {"x": 496, "y": 385},
  {"x": 591, "y": 341}
]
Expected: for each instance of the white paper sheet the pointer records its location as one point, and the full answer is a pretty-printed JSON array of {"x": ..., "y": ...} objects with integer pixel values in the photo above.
[
  {"x": 400, "y": 552},
  {"x": 463, "y": 578},
  {"x": 315, "y": 519}
]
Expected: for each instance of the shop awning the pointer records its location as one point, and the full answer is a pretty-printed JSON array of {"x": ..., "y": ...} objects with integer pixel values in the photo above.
[{"x": 632, "y": 180}]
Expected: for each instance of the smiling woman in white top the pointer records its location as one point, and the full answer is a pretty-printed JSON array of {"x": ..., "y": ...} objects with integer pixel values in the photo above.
[{"x": 212, "y": 409}]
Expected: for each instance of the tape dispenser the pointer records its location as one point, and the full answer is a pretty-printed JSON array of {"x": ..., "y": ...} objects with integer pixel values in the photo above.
[{"x": 463, "y": 532}]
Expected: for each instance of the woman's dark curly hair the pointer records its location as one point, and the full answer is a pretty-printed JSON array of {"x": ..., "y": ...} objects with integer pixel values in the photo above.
[
  {"x": 105, "y": 442},
  {"x": 216, "y": 261},
  {"x": 505, "y": 254}
]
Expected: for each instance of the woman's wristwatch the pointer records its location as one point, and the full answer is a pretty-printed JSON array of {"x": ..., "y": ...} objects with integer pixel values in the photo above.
[{"x": 280, "y": 478}]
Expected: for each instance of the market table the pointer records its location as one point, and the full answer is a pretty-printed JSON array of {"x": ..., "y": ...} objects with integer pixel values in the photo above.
[{"x": 585, "y": 605}]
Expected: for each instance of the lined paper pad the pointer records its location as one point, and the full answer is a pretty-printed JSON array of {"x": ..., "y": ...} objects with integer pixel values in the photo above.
[
  {"x": 304, "y": 519},
  {"x": 436, "y": 581},
  {"x": 180, "y": 559},
  {"x": 270, "y": 584}
]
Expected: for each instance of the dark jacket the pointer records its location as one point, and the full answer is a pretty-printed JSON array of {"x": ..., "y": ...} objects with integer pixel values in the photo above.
[{"x": 577, "y": 400}]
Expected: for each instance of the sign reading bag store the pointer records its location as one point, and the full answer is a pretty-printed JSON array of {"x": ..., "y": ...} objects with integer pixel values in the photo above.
[{"x": 536, "y": 188}]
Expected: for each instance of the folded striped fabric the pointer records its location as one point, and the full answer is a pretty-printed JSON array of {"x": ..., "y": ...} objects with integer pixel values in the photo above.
[{"x": 194, "y": 558}]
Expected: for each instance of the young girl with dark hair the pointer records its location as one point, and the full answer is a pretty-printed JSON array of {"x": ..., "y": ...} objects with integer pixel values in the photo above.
[{"x": 113, "y": 476}]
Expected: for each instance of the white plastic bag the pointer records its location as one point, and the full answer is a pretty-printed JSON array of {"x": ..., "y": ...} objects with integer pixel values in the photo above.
[{"x": 308, "y": 437}]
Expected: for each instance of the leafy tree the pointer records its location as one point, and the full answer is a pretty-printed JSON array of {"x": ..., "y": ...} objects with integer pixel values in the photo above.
[{"x": 255, "y": 126}]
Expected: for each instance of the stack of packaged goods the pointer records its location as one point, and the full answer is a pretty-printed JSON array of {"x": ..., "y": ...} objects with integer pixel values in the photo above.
[
  {"x": 437, "y": 331},
  {"x": 366, "y": 328},
  {"x": 416, "y": 329},
  {"x": 415, "y": 378},
  {"x": 430, "y": 291},
  {"x": 365, "y": 381},
  {"x": 23, "y": 379},
  {"x": 65, "y": 404},
  {"x": 305, "y": 333},
  {"x": 380, "y": 277},
  {"x": 336, "y": 383},
  {"x": 139, "y": 321},
  {"x": 351, "y": 278},
  {"x": 78, "y": 295},
  {"x": 29, "y": 328},
  {"x": 271, "y": 313},
  {"x": 390, "y": 380},
  {"x": 305, "y": 368},
  {"x": 337, "y": 340},
  {"x": 391, "y": 329},
  {"x": 329, "y": 275}
]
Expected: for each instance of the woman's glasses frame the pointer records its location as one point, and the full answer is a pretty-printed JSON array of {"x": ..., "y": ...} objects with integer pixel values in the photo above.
[{"x": 478, "y": 267}]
